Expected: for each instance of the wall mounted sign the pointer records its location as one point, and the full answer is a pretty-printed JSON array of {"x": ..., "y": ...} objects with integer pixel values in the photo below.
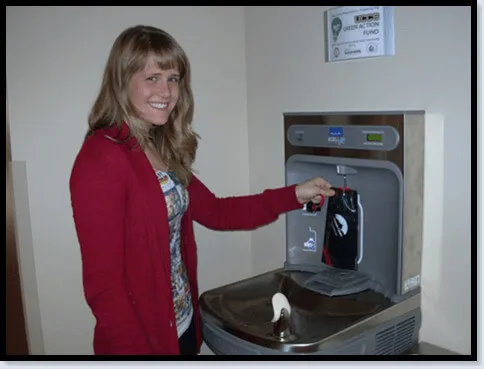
[{"x": 355, "y": 32}]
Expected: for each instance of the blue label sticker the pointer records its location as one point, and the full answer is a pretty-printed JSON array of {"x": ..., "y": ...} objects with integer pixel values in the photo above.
[{"x": 336, "y": 131}]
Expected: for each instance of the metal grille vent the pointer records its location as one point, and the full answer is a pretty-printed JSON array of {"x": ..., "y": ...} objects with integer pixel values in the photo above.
[{"x": 396, "y": 339}]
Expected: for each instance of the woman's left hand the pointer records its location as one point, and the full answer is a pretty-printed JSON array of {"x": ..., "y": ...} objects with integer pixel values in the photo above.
[{"x": 313, "y": 189}]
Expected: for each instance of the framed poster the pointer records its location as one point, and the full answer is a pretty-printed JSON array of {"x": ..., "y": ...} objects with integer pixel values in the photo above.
[{"x": 355, "y": 32}]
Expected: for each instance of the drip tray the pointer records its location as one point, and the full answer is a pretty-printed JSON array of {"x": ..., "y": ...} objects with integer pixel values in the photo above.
[{"x": 244, "y": 309}]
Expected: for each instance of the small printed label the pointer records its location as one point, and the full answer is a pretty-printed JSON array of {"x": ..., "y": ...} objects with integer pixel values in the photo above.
[
  {"x": 411, "y": 283},
  {"x": 339, "y": 140},
  {"x": 311, "y": 243},
  {"x": 306, "y": 214},
  {"x": 336, "y": 131}
]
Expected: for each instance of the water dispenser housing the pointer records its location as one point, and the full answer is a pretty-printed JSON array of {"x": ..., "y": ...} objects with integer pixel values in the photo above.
[
  {"x": 370, "y": 305},
  {"x": 381, "y": 157}
]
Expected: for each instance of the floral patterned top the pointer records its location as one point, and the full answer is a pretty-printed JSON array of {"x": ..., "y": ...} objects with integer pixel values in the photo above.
[{"x": 176, "y": 197}]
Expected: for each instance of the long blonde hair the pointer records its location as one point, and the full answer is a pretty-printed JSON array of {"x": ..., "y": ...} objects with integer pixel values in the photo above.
[{"x": 175, "y": 142}]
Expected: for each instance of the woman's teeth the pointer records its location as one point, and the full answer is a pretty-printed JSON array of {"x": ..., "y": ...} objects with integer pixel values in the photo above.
[{"x": 159, "y": 106}]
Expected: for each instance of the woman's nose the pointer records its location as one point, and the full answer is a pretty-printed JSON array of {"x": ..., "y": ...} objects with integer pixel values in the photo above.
[{"x": 164, "y": 88}]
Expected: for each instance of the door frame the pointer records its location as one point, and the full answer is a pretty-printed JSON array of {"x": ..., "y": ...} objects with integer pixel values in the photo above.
[{"x": 17, "y": 342}]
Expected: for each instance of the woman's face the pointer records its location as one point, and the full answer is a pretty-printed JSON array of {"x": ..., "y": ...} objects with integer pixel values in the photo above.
[{"x": 154, "y": 92}]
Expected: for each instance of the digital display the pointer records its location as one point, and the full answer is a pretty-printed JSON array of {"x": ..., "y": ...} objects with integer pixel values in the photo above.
[
  {"x": 336, "y": 131},
  {"x": 374, "y": 137}
]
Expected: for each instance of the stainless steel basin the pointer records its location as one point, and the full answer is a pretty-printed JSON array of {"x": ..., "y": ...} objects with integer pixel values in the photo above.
[{"x": 244, "y": 309}]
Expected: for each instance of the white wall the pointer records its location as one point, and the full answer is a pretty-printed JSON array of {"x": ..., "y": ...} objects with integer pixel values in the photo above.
[
  {"x": 55, "y": 59},
  {"x": 431, "y": 71}
]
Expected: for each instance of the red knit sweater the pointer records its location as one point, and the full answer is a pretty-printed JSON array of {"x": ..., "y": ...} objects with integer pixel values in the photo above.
[{"x": 122, "y": 226}]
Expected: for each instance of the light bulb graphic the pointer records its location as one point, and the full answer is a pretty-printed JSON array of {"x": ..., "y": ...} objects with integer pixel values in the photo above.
[{"x": 336, "y": 26}]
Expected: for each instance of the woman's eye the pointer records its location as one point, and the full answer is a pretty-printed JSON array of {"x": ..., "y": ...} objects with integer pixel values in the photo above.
[
  {"x": 152, "y": 79},
  {"x": 174, "y": 79}
]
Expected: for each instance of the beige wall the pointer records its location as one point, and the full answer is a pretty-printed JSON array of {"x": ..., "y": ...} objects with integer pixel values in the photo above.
[{"x": 431, "y": 71}]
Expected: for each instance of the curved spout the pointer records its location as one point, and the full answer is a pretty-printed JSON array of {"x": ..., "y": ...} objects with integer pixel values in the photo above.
[
  {"x": 282, "y": 316},
  {"x": 282, "y": 327}
]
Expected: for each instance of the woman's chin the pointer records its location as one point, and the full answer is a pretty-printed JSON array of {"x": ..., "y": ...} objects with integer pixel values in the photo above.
[{"x": 158, "y": 121}]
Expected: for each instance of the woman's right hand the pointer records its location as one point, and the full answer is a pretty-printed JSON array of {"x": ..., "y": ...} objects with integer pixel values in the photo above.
[{"x": 313, "y": 190}]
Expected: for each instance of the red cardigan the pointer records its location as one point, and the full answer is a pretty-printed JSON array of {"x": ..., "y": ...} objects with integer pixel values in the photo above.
[{"x": 122, "y": 228}]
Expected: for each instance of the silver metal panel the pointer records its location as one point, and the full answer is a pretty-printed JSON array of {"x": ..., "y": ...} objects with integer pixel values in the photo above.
[
  {"x": 380, "y": 138},
  {"x": 414, "y": 151}
]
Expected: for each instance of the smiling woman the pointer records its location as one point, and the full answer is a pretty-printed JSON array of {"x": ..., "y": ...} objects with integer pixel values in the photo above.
[
  {"x": 147, "y": 68},
  {"x": 154, "y": 92},
  {"x": 134, "y": 200}
]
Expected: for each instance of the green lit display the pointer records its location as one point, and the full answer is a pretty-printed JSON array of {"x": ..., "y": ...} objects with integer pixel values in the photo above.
[{"x": 374, "y": 137}]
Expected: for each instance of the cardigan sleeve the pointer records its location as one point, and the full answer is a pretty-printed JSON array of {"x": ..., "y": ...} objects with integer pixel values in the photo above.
[
  {"x": 239, "y": 212},
  {"x": 98, "y": 192}
]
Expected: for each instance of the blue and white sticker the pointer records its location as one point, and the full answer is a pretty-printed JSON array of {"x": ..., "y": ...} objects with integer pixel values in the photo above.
[{"x": 312, "y": 242}]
